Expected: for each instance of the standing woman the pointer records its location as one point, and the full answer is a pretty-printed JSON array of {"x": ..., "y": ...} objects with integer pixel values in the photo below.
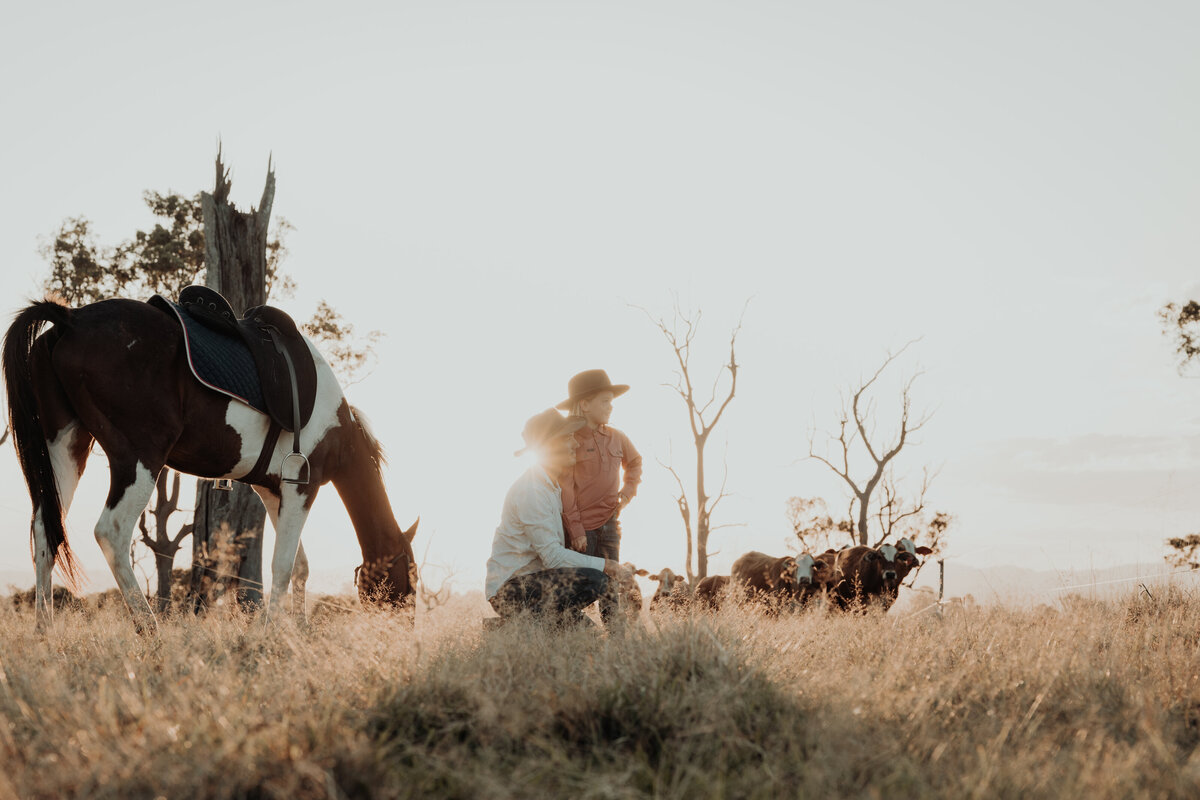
[{"x": 593, "y": 491}]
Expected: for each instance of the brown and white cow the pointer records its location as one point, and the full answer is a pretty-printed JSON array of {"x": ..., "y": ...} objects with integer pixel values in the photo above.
[
  {"x": 825, "y": 577},
  {"x": 711, "y": 591},
  {"x": 873, "y": 575},
  {"x": 629, "y": 594},
  {"x": 672, "y": 592},
  {"x": 906, "y": 555}
]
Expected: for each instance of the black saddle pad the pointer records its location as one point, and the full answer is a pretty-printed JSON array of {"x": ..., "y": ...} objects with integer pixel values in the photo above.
[{"x": 220, "y": 361}]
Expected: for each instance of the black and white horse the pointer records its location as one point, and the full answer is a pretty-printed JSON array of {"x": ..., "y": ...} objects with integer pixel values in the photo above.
[{"x": 116, "y": 373}]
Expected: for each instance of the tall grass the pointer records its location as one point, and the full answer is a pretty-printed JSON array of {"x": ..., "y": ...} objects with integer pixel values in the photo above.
[{"x": 1099, "y": 700}]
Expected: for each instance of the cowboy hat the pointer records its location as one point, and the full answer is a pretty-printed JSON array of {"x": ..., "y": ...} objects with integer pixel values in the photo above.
[
  {"x": 541, "y": 428},
  {"x": 589, "y": 382}
]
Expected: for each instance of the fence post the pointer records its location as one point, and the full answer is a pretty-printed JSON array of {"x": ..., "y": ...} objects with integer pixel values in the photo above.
[{"x": 941, "y": 584}]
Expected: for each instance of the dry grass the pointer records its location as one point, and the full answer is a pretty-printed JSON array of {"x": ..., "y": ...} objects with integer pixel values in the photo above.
[{"x": 1097, "y": 700}]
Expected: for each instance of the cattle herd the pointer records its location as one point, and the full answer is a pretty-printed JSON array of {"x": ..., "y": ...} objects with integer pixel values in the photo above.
[{"x": 853, "y": 578}]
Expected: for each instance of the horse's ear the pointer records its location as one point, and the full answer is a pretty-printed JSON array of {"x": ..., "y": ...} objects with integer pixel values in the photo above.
[{"x": 411, "y": 533}]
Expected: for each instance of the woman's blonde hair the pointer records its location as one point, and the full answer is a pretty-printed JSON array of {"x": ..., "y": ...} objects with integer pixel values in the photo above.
[{"x": 577, "y": 406}]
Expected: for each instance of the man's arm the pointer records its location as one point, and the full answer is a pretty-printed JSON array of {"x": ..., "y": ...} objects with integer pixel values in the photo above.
[{"x": 541, "y": 519}]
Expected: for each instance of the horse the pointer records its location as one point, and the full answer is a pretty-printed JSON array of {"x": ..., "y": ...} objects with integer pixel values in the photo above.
[{"x": 115, "y": 373}]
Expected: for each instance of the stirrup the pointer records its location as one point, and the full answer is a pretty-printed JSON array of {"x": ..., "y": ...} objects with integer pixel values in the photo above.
[
  {"x": 301, "y": 473},
  {"x": 224, "y": 484}
]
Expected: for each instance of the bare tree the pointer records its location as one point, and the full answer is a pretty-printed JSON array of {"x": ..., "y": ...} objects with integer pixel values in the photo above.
[
  {"x": 704, "y": 412},
  {"x": 162, "y": 543},
  {"x": 431, "y": 598},
  {"x": 857, "y": 436}
]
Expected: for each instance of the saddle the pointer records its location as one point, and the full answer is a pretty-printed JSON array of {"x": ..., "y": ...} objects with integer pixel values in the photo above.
[{"x": 261, "y": 359}]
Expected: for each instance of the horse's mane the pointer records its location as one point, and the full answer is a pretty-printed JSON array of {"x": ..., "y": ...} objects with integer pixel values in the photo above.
[{"x": 374, "y": 446}]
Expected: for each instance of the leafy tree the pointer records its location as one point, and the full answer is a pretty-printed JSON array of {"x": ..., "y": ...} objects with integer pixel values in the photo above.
[
  {"x": 815, "y": 528},
  {"x": 162, "y": 260},
  {"x": 351, "y": 357},
  {"x": 1182, "y": 322},
  {"x": 1185, "y": 551}
]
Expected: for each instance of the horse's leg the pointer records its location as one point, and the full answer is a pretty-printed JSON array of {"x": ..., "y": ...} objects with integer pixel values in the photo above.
[
  {"x": 68, "y": 456},
  {"x": 130, "y": 489},
  {"x": 288, "y": 511},
  {"x": 299, "y": 581}
]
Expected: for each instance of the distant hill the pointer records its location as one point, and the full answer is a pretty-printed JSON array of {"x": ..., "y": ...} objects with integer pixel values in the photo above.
[{"x": 1012, "y": 585}]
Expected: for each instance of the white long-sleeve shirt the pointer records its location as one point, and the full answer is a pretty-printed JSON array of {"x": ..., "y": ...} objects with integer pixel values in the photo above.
[{"x": 530, "y": 535}]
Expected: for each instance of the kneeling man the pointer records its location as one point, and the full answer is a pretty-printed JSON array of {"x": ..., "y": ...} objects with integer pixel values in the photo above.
[{"x": 530, "y": 568}]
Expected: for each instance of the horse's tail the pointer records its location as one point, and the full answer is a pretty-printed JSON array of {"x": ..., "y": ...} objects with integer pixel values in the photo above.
[{"x": 24, "y": 419}]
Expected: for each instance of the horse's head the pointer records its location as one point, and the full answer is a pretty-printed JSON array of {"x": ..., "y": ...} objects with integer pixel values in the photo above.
[{"x": 390, "y": 581}]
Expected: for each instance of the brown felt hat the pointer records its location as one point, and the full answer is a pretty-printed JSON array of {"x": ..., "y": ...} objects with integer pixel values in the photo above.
[
  {"x": 589, "y": 382},
  {"x": 541, "y": 428}
]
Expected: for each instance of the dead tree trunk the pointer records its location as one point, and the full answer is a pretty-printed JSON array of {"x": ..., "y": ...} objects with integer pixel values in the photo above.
[
  {"x": 698, "y": 410},
  {"x": 236, "y": 263}
]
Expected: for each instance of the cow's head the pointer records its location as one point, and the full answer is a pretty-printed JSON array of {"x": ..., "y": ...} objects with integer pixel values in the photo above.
[
  {"x": 825, "y": 571},
  {"x": 629, "y": 594},
  {"x": 822, "y": 573},
  {"x": 907, "y": 556},
  {"x": 788, "y": 570},
  {"x": 668, "y": 581},
  {"x": 882, "y": 561},
  {"x": 806, "y": 568}
]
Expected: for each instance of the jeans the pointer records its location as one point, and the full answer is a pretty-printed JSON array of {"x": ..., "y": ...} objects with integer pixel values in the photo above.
[
  {"x": 605, "y": 542},
  {"x": 557, "y": 596}
]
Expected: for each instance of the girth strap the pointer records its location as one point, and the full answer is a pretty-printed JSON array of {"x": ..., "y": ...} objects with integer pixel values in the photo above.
[
  {"x": 302, "y": 472},
  {"x": 263, "y": 465}
]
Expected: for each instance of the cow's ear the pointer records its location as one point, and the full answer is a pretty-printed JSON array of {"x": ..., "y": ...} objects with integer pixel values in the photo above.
[
  {"x": 640, "y": 572},
  {"x": 654, "y": 578},
  {"x": 924, "y": 551}
]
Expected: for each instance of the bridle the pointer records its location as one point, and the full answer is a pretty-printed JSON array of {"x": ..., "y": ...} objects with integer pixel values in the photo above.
[{"x": 382, "y": 566}]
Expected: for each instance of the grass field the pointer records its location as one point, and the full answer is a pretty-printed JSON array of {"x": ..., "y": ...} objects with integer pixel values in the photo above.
[{"x": 1093, "y": 700}]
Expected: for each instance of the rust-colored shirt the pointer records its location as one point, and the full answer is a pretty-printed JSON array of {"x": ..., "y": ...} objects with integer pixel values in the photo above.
[{"x": 590, "y": 488}]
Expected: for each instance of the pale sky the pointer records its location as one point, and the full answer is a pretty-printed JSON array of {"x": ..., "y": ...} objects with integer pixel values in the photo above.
[{"x": 499, "y": 187}]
